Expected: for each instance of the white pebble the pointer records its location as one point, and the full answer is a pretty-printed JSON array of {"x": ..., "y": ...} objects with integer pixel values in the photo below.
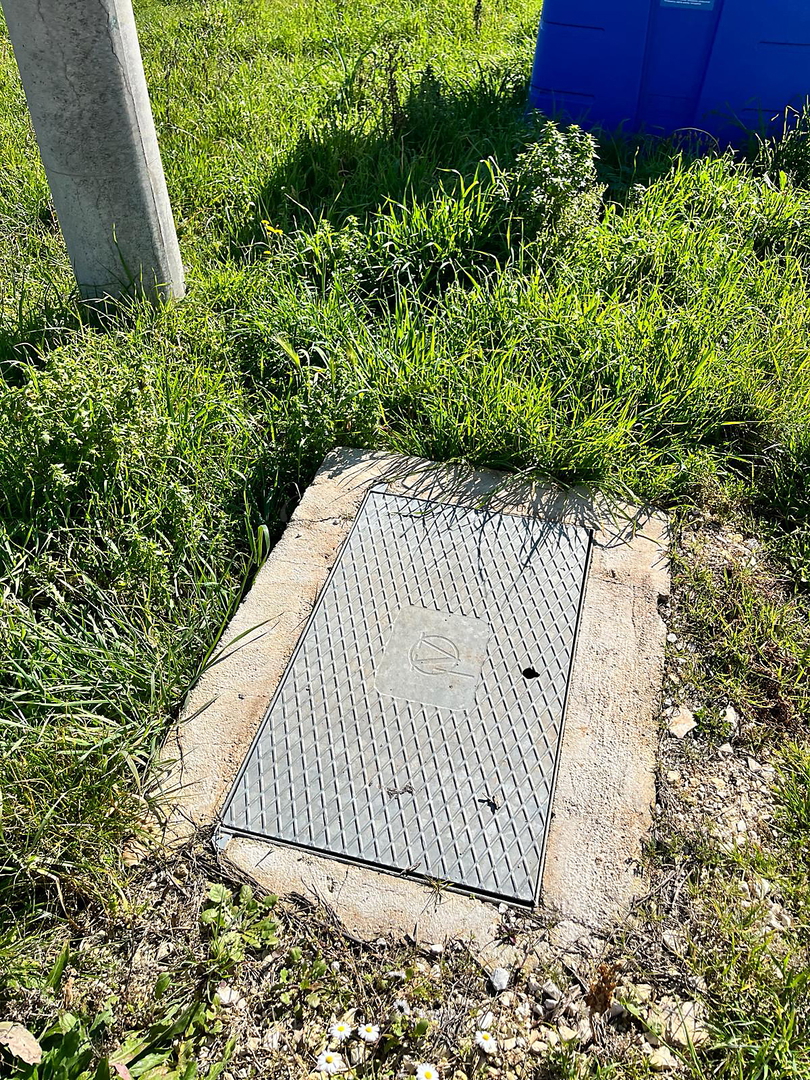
[
  {"x": 761, "y": 887},
  {"x": 682, "y": 723},
  {"x": 662, "y": 1060},
  {"x": 229, "y": 998}
]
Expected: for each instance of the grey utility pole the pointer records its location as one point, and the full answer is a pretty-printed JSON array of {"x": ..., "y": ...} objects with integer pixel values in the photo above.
[{"x": 83, "y": 78}]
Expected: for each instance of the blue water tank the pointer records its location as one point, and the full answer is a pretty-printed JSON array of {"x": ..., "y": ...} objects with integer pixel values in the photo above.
[{"x": 723, "y": 66}]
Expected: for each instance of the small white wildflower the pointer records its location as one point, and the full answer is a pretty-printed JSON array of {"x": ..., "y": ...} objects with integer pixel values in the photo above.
[
  {"x": 486, "y": 1042},
  {"x": 427, "y": 1072},
  {"x": 330, "y": 1062},
  {"x": 340, "y": 1031},
  {"x": 369, "y": 1032}
]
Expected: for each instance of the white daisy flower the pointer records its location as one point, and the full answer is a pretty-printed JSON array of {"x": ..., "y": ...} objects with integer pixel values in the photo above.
[
  {"x": 369, "y": 1032},
  {"x": 427, "y": 1072},
  {"x": 486, "y": 1042},
  {"x": 340, "y": 1031},
  {"x": 330, "y": 1062}
]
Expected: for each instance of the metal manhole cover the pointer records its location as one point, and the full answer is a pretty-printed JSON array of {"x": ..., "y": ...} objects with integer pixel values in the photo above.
[{"x": 417, "y": 725}]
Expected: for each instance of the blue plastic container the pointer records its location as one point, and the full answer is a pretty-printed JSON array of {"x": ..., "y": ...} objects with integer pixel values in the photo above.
[{"x": 723, "y": 66}]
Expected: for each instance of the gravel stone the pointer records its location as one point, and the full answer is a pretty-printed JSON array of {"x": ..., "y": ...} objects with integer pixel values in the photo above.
[
  {"x": 229, "y": 998},
  {"x": 584, "y": 1032},
  {"x": 662, "y": 1060},
  {"x": 485, "y": 1022},
  {"x": 682, "y": 723}
]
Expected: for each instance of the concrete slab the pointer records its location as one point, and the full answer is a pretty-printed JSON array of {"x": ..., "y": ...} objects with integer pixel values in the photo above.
[{"x": 605, "y": 783}]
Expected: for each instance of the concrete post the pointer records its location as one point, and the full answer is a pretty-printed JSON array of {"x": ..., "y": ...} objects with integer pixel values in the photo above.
[{"x": 83, "y": 77}]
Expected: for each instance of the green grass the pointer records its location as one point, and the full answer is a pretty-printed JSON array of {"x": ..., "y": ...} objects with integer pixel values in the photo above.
[{"x": 383, "y": 252}]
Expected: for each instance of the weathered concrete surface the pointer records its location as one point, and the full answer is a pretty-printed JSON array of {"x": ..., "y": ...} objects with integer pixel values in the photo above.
[
  {"x": 605, "y": 784},
  {"x": 83, "y": 78}
]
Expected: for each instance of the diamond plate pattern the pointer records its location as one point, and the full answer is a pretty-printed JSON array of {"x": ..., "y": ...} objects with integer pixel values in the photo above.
[{"x": 461, "y": 795}]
